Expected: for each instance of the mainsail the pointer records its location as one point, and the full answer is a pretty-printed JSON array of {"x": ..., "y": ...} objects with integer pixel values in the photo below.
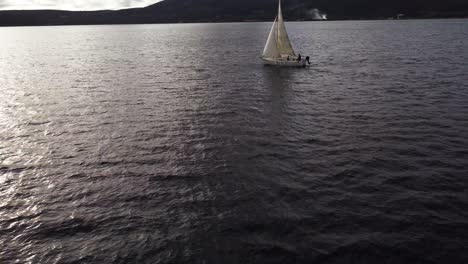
[{"x": 278, "y": 44}]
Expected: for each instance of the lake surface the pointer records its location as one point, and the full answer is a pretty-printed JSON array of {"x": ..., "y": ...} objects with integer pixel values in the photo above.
[{"x": 174, "y": 144}]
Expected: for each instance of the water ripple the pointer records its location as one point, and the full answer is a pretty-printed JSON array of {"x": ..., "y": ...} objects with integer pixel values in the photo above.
[{"x": 173, "y": 144}]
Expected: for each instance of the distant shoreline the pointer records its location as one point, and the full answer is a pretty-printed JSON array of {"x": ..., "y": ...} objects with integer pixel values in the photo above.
[
  {"x": 160, "y": 15},
  {"x": 222, "y": 22},
  {"x": 228, "y": 11}
]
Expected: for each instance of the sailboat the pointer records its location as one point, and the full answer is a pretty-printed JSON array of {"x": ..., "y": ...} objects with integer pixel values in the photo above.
[{"x": 278, "y": 48}]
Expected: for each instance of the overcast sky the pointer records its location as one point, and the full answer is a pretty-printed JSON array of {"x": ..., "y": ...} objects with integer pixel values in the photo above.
[{"x": 73, "y": 4}]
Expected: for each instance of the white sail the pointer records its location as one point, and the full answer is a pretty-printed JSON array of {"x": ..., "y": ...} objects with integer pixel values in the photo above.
[
  {"x": 271, "y": 49},
  {"x": 284, "y": 44},
  {"x": 278, "y": 44}
]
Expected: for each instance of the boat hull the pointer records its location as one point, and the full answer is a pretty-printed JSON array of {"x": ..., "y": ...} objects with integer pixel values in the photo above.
[{"x": 284, "y": 63}]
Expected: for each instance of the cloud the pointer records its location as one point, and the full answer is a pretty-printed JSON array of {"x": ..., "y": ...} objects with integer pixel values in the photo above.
[
  {"x": 74, "y": 4},
  {"x": 316, "y": 14}
]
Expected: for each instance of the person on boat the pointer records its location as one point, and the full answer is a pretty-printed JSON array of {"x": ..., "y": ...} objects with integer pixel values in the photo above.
[
  {"x": 287, "y": 58},
  {"x": 299, "y": 58},
  {"x": 308, "y": 59}
]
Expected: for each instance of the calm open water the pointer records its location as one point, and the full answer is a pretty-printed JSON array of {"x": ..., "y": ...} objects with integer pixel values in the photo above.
[{"x": 174, "y": 144}]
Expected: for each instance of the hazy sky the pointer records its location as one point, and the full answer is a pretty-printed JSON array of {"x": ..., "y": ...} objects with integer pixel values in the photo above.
[{"x": 73, "y": 4}]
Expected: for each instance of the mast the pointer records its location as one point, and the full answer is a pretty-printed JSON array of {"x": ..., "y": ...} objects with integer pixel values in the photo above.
[{"x": 277, "y": 19}]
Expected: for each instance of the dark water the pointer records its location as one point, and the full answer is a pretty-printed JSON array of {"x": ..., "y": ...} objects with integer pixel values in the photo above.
[{"x": 173, "y": 144}]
